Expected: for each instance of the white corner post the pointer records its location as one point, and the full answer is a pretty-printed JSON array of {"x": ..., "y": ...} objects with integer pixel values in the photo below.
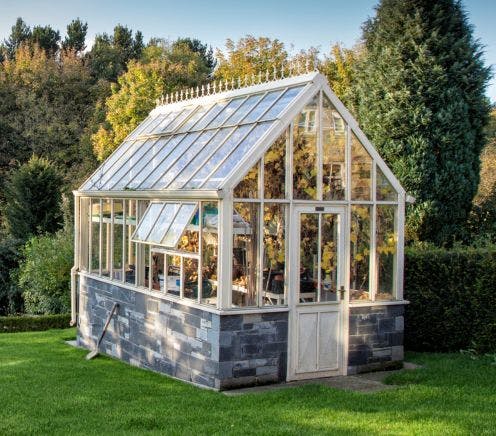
[
  {"x": 75, "y": 268},
  {"x": 224, "y": 288}
]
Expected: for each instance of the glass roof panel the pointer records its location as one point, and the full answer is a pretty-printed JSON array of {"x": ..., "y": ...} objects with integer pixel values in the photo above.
[
  {"x": 201, "y": 156},
  {"x": 165, "y": 120},
  {"x": 126, "y": 166},
  {"x": 163, "y": 223},
  {"x": 212, "y": 113},
  {"x": 226, "y": 113},
  {"x": 184, "y": 159},
  {"x": 181, "y": 220},
  {"x": 112, "y": 164},
  {"x": 146, "y": 223},
  {"x": 261, "y": 107},
  {"x": 218, "y": 156},
  {"x": 167, "y": 158},
  {"x": 246, "y": 107},
  {"x": 218, "y": 177},
  {"x": 179, "y": 120},
  {"x": 282, "y": 103},
  {"x": 137, "y": 167},
  {"x": 200, "y": 112},
  {"x": 141, "y": 126}
]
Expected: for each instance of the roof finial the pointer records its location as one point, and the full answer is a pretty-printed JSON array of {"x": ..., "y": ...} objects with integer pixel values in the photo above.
[
  {"x": 202, "y": 91},
  {"x": 259, "y": 77},
  {"x": 181, "y": 95},
  {"x": 307, "y": 65},
  {"x": 177, "y": 96},
  {"x": 267, "y": 75},
  {"x": 315, "y": 64},
  {"x": 291, "y": 67},
  {"x": 282, "y": 70},
  {"x": 274, "y": 72}
]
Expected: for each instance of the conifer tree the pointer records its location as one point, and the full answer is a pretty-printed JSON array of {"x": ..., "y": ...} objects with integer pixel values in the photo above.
[{"x": 421, "y": 100}]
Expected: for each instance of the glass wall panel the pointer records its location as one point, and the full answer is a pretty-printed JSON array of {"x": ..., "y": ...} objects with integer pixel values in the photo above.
[
  {"x": 360, "y": 228},
  {"x": 84, "y": 232},
  {"x": 245, "y": 254},
  {"x": 386, "y": 248},
  {"x": 163, "y": 222},
  {"x": 333, "y": 147},
  {"x": 384, "y": 189},
  {"x": 173, "y": 268},
  {"x": 189, "y": 240},
  {"x": 361, "y": 171},
  {"x": 130, "y": 252},
  {"x": 329, "y": 257},
  {"x": 210, "y": 252},
  {"x": 248, "y": 187},
  {"x": 190, "y": 274},
  {"x": 106, "y": 239},
  {"x": 146, "y": 223},
  {"x": 274, "y": 254},
  {"x": 95, "y": 237},
  {"x": 305, "y": 133},
  {"x": 275, "y": 169},
  {"x": 309, "y": 257},
  {"x": 158, "y": 271},
  {"x": 179, "y": 224},
  {"x": 143, "y": 276},
  {"x": 118, "y": 240}
]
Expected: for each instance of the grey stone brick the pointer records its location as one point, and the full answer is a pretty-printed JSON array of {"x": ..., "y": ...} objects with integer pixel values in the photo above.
[{"x": 399, "y": 323}]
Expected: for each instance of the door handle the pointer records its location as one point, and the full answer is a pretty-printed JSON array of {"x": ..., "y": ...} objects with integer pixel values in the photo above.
[{"x": 342, "y": 292}]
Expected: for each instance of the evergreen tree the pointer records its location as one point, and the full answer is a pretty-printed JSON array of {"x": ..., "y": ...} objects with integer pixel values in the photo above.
[
  {"x": 421, "y": 100},
  {"x": 33, "y": 200},
  {"x": 19, "y": 34},
  {"x": 47, "y": 38},
  {"x": 76, "y": 36}
]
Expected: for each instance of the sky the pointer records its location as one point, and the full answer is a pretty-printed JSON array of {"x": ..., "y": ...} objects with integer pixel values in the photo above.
[{"x": 299, "y": 24}]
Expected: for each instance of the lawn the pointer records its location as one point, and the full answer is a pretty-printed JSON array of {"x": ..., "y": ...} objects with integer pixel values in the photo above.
[{"x": 47, "y": 387}]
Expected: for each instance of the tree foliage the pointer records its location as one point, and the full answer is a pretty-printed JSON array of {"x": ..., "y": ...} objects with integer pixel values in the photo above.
[
  {"x": 75, "y": 39},
  {"x": 420, "y": 92},
  {"x": 19, "y": 34},
  {"x": 166, "y": 69},
  {"x": 33, "y": 200}
]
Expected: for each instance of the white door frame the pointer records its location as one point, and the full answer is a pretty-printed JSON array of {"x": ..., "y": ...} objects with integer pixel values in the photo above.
[{"x": 294, "y": 304}]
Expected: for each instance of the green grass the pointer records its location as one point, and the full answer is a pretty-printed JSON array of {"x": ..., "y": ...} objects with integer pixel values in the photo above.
[{"x": 47, "y": 387}]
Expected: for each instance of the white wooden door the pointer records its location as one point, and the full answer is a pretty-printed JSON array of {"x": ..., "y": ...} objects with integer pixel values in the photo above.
[{"x": 316, "y": 317}]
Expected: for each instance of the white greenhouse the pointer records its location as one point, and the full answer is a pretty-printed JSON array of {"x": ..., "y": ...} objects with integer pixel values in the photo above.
[{"x": 249, "y": 234}]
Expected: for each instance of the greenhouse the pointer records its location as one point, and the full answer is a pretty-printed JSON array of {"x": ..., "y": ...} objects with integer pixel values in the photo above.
[{"x": 249, "y": 233}]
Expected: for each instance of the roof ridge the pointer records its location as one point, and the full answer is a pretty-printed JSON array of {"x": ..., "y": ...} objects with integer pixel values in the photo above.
[{"x": 286, "y": 70}]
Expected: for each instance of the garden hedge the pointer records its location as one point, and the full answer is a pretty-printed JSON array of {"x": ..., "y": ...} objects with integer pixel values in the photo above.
[
  {"x": 12, "y": 324},
  {"x": 452, "y": 296}
]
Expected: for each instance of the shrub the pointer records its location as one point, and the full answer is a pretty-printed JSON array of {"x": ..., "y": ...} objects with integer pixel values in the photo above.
[
  {"x": 11, "y": 324},
  {"x": 10, "y": 295},
  {"x": 44, "y": 274},
  {"x": 452, "y": 296}
]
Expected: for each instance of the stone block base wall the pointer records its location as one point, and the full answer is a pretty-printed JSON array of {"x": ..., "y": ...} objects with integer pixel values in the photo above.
[
  {"x": 375, "y": 338},
  {"x": 217, "y": 351}
]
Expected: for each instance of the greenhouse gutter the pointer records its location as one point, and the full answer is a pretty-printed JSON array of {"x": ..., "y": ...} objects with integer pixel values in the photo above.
[{"x": 159, "y": 194}]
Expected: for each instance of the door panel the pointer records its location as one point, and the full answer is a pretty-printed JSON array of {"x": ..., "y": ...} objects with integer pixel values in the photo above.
[
  {"x": 307, "y": 342},
  {"x": 328, "y": 340}
]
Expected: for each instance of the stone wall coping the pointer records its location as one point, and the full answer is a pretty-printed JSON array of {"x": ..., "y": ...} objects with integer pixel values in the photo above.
[
  {"x": 378, "y": 303},
  {"x": 206, "y": 308}
]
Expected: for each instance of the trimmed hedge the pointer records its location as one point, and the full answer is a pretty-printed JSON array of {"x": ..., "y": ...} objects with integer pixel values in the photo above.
[
  {"x": 12, "y": 324},
  {"x": 452, "y": 296}
]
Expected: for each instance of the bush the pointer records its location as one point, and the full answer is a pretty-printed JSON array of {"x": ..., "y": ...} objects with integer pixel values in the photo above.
[
  {"x": 10, "y": 295},
  {"x": 45, "y": 273},
  {"x": 11, "y": 324},
  {"x": 452, "y": 296}
]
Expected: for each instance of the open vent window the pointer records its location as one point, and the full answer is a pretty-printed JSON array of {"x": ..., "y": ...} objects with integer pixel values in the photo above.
[{"x": 164, "y": 223}]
